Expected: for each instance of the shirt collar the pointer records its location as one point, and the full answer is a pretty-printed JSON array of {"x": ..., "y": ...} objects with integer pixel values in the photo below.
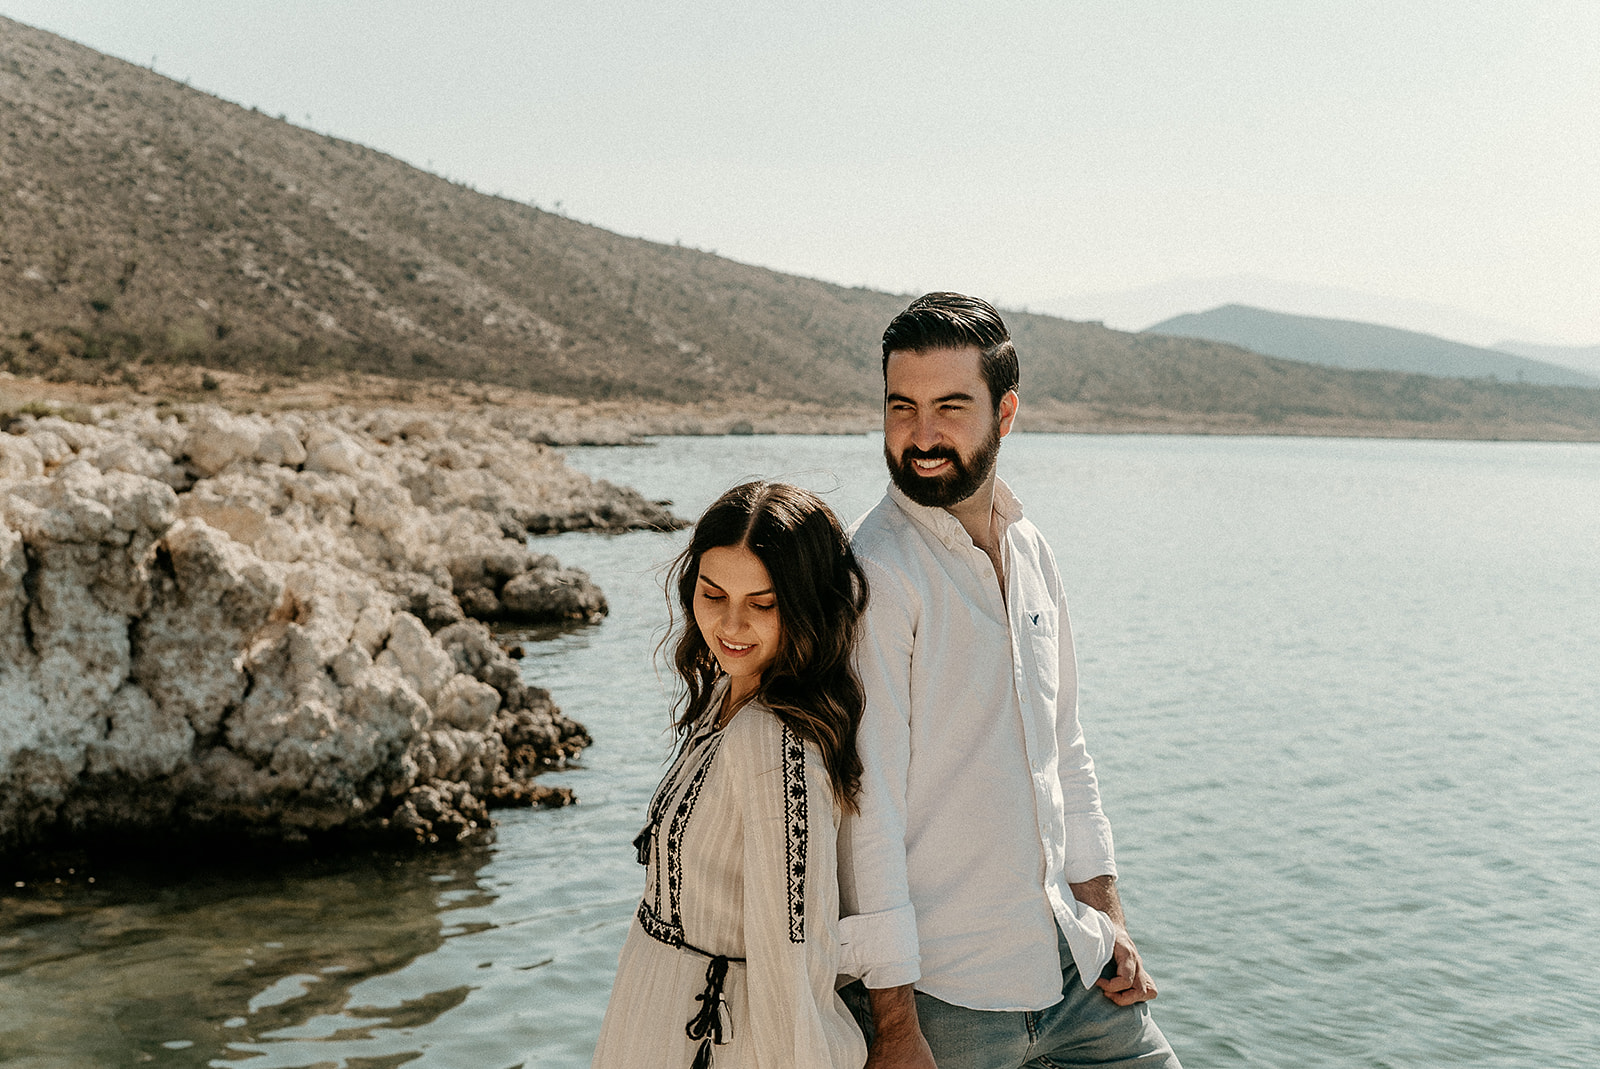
[{"x": 945, "y": 527}]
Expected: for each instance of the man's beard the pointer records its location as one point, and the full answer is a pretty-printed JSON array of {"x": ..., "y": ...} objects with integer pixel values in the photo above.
[{"x": 965, "y": 477}]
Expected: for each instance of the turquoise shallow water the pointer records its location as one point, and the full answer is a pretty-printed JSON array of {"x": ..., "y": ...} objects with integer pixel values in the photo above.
[{"x": 1342, "y": 694}]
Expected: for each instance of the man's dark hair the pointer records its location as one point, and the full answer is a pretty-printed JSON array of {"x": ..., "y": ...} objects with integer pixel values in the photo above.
[{"x": 955, "y": 321}]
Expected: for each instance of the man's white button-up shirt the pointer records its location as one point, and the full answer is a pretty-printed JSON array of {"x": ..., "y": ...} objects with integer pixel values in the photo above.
[{"x": 979, "y": 803}]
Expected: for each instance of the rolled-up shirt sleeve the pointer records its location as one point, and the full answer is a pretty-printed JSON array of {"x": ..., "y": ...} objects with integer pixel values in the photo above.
[{"x": 878, "y": 928}]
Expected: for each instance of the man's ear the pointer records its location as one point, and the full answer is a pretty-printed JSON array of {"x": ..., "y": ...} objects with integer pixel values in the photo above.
[{"x": 1008, "y": 411}]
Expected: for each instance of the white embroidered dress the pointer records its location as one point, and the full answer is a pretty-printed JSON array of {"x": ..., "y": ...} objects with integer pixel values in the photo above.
[{"x": 741, "y": 879}]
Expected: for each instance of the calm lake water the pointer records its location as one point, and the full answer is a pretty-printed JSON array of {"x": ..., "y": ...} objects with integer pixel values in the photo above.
[{"x": 1343, "y": 695}]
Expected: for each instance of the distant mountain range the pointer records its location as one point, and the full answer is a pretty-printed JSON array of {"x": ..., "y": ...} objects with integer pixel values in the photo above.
[
  {"x": 1584, "y": 358},
  {"x": 1348, "y": 344},
  {"x": 1135, "y": 309},
  {"x": 143, "y": 222}
]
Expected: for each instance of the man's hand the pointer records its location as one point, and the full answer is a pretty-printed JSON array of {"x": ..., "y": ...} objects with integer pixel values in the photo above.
[
  {"x": 899, "y": 1043},
  {"x": 1131, "y": 984}
]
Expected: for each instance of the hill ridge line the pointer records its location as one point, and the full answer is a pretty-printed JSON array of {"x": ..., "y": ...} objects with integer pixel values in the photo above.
[{"x": 147, "y": 226}]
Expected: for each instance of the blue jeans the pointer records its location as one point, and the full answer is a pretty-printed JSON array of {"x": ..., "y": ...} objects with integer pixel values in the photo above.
[{"x": 1084, "y": 1029}]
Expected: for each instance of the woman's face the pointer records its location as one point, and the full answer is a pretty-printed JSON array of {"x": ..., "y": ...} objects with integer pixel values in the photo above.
[{"x": 737, "y": 614}]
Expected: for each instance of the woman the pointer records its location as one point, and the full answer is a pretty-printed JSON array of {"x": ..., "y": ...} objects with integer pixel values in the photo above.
[{"x": 732, "y": 953}]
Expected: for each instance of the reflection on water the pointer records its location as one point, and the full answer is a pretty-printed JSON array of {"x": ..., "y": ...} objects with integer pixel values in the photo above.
[{"x": 241, "y": 964}]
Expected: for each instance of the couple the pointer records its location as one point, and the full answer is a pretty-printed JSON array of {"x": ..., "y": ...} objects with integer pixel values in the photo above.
[{"x": 893, "y": 788}]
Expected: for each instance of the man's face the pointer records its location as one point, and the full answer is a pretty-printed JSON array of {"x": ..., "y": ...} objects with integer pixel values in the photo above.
[{"x": 941, "y": 433}]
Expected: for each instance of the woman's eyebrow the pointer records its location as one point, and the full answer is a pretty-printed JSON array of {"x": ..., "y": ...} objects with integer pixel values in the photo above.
[{"x": 753, "y": 594}]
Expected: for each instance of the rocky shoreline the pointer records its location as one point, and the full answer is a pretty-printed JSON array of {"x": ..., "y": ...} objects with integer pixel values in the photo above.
[{"x": 272, "y": 627}]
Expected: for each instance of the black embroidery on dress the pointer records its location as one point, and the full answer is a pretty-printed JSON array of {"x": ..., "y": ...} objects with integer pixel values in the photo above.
[
  {"x": 795, "y": 831},
  {"x": 669, "y": 782},
  {"x": 658, "y": 929},
  {"x": 668, "y": 928},
  {"x": 648, "y": 842}
]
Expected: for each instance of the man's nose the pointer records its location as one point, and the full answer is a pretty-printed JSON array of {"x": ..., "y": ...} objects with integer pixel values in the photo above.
[{"x": 925, "y": 435}]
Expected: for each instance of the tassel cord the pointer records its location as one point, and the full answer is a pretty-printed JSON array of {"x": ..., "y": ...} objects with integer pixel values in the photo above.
[{"x": 711, "y": 1025}]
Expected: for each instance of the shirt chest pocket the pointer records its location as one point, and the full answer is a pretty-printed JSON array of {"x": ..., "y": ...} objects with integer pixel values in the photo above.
[{"x": 1042, "y": 649}]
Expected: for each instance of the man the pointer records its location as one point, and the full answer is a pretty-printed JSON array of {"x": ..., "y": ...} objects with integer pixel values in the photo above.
[{"x": 977, "y": 881}]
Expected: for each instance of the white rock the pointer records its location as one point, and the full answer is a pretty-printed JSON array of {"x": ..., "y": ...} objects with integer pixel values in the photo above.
[
  {"x": 19, "y": 458},
  {"x": 281, "y": 446},
  {"x": 452, "y": 457},
  {"x": 236, "y": 648},
  {"x": 41, "y": 748},
  {"x": 13, "y": 596},
  {"x": 216, "y": 602},
  {"x": 52, "y": 447},
  {"x": 422, "y": 429},
  {"x": 371, "y": 630},
  {"x": 145, "y": 741},
  {"x": 416, "y": 656},
  {"x": 351, "y": 664},
  {"x": 135, "y": 458},
  {"x": 334, "y": 453},
  {"x": 218, "y": 439},
  {"x": 383, "y": 507},
  {"x": 163, "y": 434},
  {"x": 466, "y": 704}
]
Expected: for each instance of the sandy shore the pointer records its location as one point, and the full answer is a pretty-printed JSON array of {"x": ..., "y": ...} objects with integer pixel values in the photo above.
[{"x": 564, "y": 421}]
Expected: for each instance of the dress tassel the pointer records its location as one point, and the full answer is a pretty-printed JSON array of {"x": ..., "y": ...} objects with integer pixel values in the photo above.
[{"x": 711, "y": 1025}]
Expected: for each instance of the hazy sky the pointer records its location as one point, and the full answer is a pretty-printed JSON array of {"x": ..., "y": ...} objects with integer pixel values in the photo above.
[{"x": 1430, "y": 163}]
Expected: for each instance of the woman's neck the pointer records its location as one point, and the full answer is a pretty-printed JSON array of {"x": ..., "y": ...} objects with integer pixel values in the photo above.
[{"x": 738, "y": 693}]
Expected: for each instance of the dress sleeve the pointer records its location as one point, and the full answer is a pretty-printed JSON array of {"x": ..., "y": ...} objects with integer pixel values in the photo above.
[
  {"x": 791, "y": 906},
  {"x": 879, "y": 929}
]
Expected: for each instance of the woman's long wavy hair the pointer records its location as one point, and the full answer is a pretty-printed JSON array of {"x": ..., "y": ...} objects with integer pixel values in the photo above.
[{"x": 821, "y": 592}]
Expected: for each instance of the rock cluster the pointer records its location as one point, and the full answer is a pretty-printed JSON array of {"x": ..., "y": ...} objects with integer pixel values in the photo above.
[{"x": 264, "y": 626}]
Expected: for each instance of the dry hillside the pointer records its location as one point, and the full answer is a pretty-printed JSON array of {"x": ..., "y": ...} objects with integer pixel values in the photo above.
[{"x": 144, "y": 224}]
